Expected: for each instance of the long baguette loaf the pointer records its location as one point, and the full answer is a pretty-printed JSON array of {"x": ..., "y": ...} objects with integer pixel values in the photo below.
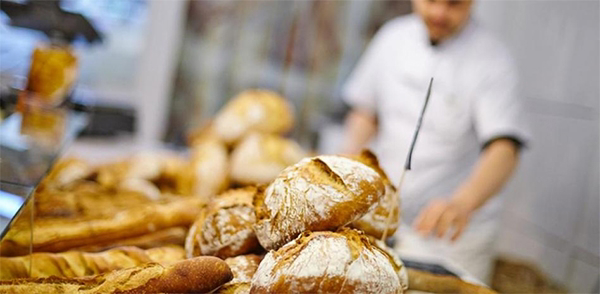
[
  {"x": 72, "y": 264},
  {"x": 169, "y": 236},
  {"x": 56, "y": 235},
  {"x": 432, "y": 283},
  {"x": 197, "y": 275}
]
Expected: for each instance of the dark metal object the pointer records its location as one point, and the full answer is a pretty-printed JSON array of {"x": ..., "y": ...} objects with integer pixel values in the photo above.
[
  {"x": 429, "y": 267},
  {"x": 407, "y": 165},
  {"x": 47, "y": 16}
]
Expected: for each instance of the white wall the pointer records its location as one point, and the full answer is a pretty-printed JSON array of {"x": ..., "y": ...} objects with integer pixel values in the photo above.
[
  {"x": 156, "y": 70},
  {"x": 552, "y": 215}
]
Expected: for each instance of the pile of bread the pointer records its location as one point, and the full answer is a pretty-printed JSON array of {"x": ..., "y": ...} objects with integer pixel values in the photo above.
[{"x": 142, "y": 225}]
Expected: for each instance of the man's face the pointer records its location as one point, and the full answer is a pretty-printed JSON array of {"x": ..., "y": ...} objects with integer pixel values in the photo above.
[{"x": 443, "y": 18}]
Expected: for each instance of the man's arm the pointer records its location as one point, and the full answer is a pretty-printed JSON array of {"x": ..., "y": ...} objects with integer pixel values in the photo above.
[
  {"x": 493, "y": 169},
  {"x": 360, "y": 127}
]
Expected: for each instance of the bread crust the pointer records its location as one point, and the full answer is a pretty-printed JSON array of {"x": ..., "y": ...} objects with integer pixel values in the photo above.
[
  {"x": 327, "y": 262},
  {"x": 243, "y": 268},
  {"x": 197, "y": 275},
  {"x": 386, "y": 214},
  {"x": 72, "y": 264},
  {"x": 255, "y": 110},
  {"x": 259, "y": 158},
  {"x": 320, "y": 193},
  {"x": 56, "y": 235},
  {"x": 224, "y": 227}
]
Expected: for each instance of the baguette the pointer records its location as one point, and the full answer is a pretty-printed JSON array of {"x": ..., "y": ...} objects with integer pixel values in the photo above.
[
  {"x": 428, "y": 282},
  {"x": 196, "y": 275},
  {"x": 56, "y": 235},
  {"x": 169, "y": 236},
  {"x": 72, "y": 264}
]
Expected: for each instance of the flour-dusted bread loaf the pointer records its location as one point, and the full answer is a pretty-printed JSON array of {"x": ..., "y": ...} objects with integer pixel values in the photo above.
[
  {"x": 197, "y": 275},
  {"x": 78, "y": 264},
  {"x": 259, "y": 158},
  {"x": 224, "y": 227},
  {"x": 328, "y": 262},
  {"x": 385, "y": 217},
  {"x": 243, "y": 268},
  {"x": 209, "y": 168},
  {"x": 254, "y": 110},
  {"x": 319, "y": 193}
]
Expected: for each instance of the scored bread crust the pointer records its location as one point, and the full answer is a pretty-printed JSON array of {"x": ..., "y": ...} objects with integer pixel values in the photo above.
[
  {"x": 243, "y": 268},
  {"x": 78, "y": 264},
  {"x": 224, "y": 227},
  {"x": 320, "y": 193},
  {"x": 386, "y": 214},
  {"x": 197, "y": 275},
  {"x": 327, "y": 262}
]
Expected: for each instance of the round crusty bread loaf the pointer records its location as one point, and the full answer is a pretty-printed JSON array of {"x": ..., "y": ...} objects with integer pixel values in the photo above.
[
  {"x": 254, "y": 110},
  {"x": 224, "y": 227},
  {"x": 386, "y": 214},
  {"x": 243, "y": 268},
  {"x": 259, "y": 158},
  {"x": 327, "y": 262},
  {"x": 209, "y": 168},
  {"x": 320, "y": 193}
]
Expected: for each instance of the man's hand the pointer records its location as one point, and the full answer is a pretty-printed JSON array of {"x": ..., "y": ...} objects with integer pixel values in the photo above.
[{"x": 440, "y": 215}]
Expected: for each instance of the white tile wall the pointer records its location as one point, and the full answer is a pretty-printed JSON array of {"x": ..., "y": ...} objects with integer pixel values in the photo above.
[{"x": 552, "y": 210}]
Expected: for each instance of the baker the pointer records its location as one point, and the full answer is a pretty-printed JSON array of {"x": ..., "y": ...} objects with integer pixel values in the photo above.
[{"x": 472, "y": 132}]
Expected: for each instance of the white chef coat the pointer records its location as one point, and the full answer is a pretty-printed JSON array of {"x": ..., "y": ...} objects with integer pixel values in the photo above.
[{"x": 473, "y": 101}]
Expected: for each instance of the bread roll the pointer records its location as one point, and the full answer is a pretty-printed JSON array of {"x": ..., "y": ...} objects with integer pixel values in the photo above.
[
  {"x": 67, "y": 171},
  {"x": 78, "y": 264},
  {"x": 320, "y": 193},
  {"x": 56, "y": 235},
  {"x": 328, "y": 262},
  {"x": 243, "y": 268},
  {"x": 255, "y": 110},
  {"x": 198, "y": 275},
  {"x": 259, "y": 158},
  {"x": 426, "y": 282},
  {"x": 224, "y": 227},
  {"x": 209, "y": 168},
  {"x": 386, "y": 214}
]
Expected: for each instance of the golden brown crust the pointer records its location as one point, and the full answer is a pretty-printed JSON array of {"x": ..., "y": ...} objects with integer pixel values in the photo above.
[
  {"x": 259, "y": 158},
  {"x": 385, "y": 216},
  {"x": 321, "y": 193},
  {"x": 243, "y": 268},
  {"x": 55, "y": 235},
  {"x": 254, "y": 110},
  {"x": 224, "y": 227},
  {"x": 196, "y": 275},
  {"x": 327, "y": 262},
  {"x": 78, "y": 264},
  {"x": 432, "y": 283},
  {"x": 170, "y": 236}
]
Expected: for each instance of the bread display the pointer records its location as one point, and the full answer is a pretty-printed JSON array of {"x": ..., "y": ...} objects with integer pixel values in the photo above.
[
  {"x": 319, "y": 193},
  {"x": 197, "y": 275},
  {"x": 78, "y": 264},
  {"x": 328, "y": 262},
  {"x": 55, "y": 235},
  {"x": 243, "y": 268},
  {"x": 254, "y": 110},
  {"x": 224, "y": 227},
  {"x": 259, "y": 158},
  {"x": 385, "y": 217}
]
